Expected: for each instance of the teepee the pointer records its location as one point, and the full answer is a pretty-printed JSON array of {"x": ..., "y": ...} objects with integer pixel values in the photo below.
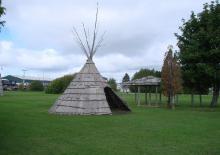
[
  {"x": 1, "y": 86},
  {"x": 88, "y": 93}
]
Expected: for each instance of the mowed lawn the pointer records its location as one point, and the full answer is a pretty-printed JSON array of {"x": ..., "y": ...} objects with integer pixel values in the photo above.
[{"x": 26, "y": 128}]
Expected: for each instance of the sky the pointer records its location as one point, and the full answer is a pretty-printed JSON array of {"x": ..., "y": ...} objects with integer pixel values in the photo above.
[{"x": 38, "y": 35}]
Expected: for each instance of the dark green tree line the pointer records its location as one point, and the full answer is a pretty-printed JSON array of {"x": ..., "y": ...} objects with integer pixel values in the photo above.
[{"x": 199, "y": 55}]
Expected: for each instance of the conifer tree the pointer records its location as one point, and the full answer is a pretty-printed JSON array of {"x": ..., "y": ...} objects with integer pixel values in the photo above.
[{"x": 171, "y": 77}]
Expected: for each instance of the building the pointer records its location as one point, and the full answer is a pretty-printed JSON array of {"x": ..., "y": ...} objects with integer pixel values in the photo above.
[{"x": 26, "y": 80}]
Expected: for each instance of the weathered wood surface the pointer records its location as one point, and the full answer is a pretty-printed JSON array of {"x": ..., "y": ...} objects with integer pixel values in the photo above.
[{"x": 85, "y": 95}]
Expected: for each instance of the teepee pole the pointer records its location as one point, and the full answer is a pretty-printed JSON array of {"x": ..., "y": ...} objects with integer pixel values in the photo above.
[
  {"x": 86, "y": 36},
  {"x": 79, "y": 41},
  {"x": 95, "y": 31},
  {"x": 89, "y": 48}
]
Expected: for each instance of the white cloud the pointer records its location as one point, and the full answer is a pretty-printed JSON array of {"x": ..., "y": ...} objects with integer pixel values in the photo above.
[
  {"x": 138, "y": 33},
  {"x": 46, "y": 59}
]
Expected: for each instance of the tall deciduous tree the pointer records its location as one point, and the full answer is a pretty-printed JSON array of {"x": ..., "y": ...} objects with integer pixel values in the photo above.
[
  {"x": 171, "y": 77},
  {"x": 199, "y": 54},
  {"x": 2, "y": 12}
]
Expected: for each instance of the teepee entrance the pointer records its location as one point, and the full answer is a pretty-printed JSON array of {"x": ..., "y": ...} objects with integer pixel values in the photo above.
[{"x": 116, "y": 104}]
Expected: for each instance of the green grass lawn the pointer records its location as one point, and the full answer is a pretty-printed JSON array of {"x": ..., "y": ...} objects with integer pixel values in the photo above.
[{"x": 26, "y": 128}]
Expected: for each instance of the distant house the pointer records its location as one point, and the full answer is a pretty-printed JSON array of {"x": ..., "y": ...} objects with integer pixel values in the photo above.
[{"x": 26, "y": 80}]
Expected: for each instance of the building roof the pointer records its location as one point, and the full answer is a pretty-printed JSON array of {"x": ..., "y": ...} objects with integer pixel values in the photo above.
[
  {"x": 145, "y": 81},
  {"x": 18, "y": 78}
]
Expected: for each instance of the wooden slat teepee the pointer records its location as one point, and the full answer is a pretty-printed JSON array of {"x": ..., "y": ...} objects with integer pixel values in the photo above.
[{"x": 88, "y": 93}]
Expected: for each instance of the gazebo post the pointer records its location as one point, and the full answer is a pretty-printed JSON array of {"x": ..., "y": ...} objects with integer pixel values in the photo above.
[
  {"x": 135, "y": 97},
  {"x": 156, "y": 97},
  {"x": 146, "y": 97},
  {"x": 160, "y": 98},
  {"x": 139, "y": 99},
  {"x": 150, "y": 97}
]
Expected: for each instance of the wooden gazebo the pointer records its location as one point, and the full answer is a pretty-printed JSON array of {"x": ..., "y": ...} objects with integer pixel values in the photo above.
[{"x": 149, "y": 81}]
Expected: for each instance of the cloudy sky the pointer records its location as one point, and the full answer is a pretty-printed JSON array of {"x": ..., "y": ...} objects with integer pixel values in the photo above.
[{"x": 38, "y": 35}]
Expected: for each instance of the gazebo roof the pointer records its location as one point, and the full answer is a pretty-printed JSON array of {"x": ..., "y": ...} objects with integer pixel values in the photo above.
[{"x": 145, "y": 81}]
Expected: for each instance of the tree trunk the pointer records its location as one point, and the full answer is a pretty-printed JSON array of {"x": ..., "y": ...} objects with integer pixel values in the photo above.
[
  {"x": 215, "y": 95},
  {"x": 168, "y": 101},
  {"x": 200, "y": 100},
  {"x": 172, "y": 106},
  {"x": 146, "y": 100},
  {"x": 192, "y": 99},
  {"x": 160, "y": 98}
]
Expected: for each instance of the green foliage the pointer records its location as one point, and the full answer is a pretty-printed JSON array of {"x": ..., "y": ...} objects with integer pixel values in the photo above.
[
  {"x": 143, "y": 73},
  {"x": 112, "y": 83},
  {"x": 58, "y": 85},
  {"x": 36, "y": 86},
  {"x": 126, "y": 78},
  {"x": 199, "y": 46},
  {"x": 2, "y": 12},
  {"x": 21, "y": 87}
]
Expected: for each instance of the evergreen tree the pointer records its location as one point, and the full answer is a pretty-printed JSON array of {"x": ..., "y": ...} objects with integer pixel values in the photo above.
[
  {"x": 199, "y": 54},
  {"x": 171, "y": 77},
  {"x": 126, "y": 78}
]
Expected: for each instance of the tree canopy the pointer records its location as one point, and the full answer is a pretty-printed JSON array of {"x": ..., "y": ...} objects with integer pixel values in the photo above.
[
  {"x": 58, "y": 85},
  {"x": 112, "y": 83},
  {"x": 199, "y": 55},
  {"x": 2, "y": 12},
  {"x": 126, "y": 78},
  {"x": 36, "y": 86}
]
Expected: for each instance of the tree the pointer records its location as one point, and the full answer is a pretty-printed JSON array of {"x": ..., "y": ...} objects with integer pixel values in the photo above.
[
  {"x": 112, "y": 83},
  {"x": 171, "y": 77},
  {"x": 36, "y": 86},
  {"x": 58, "y": 85},
  {"x": 126, "y": 78},
  {"x": 199, "y": 54},
  {"x": 2, "y": 12}
]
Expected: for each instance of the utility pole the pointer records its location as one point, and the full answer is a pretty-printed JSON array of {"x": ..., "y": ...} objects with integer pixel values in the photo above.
[{"x": 24, "y": 71}]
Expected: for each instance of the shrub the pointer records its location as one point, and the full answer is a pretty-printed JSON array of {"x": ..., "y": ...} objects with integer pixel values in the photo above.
[
  {"x": 36, "y": 86},
  {"x": 58, "y": 85},
  {"x": 112, "y": 83}
]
